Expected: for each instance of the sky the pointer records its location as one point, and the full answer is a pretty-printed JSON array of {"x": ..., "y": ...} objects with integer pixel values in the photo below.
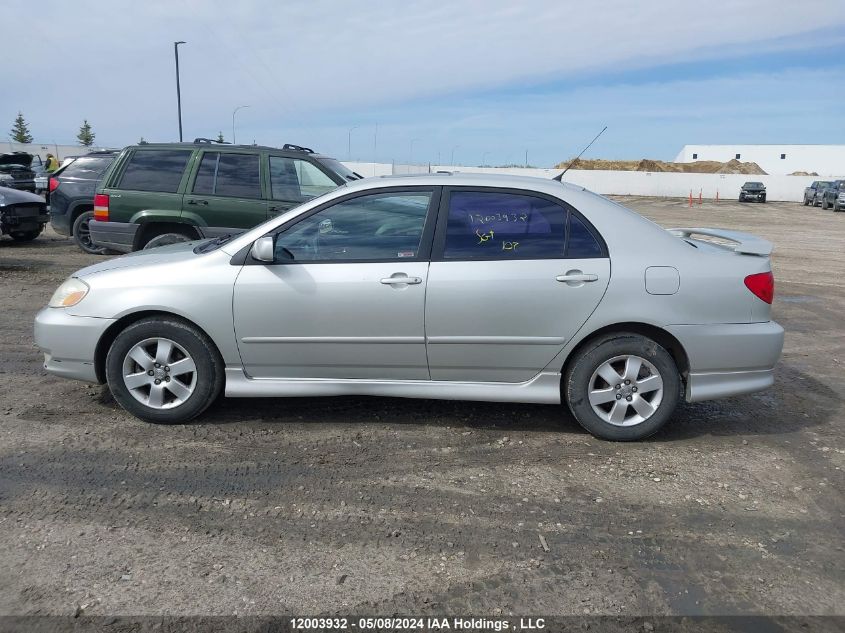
[{"x": 469, "y": 82}]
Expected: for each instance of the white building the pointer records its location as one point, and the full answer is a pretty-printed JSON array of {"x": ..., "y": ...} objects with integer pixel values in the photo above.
[{"x": 825, "y": 160}]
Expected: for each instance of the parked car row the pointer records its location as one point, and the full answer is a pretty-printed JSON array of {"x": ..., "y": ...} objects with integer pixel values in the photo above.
[{"x": 826, "y": 194}]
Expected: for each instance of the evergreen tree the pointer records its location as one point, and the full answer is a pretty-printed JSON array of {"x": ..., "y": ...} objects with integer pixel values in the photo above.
[
  {"x": 220, "y": 138},
  {"x": 20, "y": 130},
  {"x": 86, "y": 136}
]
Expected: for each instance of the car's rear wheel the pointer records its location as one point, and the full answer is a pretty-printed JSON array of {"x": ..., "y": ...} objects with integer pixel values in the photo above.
[
  {"x": 168, "y": 238},
  {"x": 622, "y": 387},
  {"x": 82, "y": 234},
  {"x": 25, "y": 236},
  {"x": 824, "y": 204},
  {"x": 164, "y": 370}
]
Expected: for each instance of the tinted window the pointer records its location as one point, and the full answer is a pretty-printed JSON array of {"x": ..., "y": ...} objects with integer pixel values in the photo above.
[
  {"x": 297, "y": 180},
  {"x": 489, "y": 225},
  {"x": 238, "y": 176},
  {"x": 88, "y": 167},
  {"x": 204, "y": 182},
  {"x": 581, "y": 244},
  {"x": 379, "y": 226},
  {"x": 155, "y": 170}
]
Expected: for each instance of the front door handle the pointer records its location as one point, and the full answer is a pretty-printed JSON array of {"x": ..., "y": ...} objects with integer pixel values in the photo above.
[
  {"x": 403, "y": 279},
  {"x": 205, "y": 202},
  {"x": 574, "y": 277}
]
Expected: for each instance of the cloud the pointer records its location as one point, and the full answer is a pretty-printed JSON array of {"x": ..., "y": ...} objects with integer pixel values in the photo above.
[{"x": 112, "y": 61}]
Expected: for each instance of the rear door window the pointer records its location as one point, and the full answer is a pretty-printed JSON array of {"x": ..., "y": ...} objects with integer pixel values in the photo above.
[
  {"x": 155, "y": 170},
  {"x": 503, "y": 225},
  {"x": 497, "y": 225},
  {"x": 229, "y": 175}
]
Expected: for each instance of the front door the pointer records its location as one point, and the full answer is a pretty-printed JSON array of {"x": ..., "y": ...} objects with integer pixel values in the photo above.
[
  {"x": 345, "y": 297},
  {"x": 225, "y": 195},
  {"x": 512, "y": 278}
]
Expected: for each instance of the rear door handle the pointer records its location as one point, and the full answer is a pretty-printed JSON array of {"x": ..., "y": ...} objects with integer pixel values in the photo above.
[
  {"x": 576, "y": 276},
  {"x": 198, "y": 202},
  {"x": 390, "y": 281}
]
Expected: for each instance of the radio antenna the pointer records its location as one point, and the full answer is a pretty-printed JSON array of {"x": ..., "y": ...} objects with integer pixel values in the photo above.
[{"x": 559, "y": 177}]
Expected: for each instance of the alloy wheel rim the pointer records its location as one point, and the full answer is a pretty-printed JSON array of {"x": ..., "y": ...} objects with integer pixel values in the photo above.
[
  {"x": 625, "y": 390},
  {"x": 159, "y": 373}
]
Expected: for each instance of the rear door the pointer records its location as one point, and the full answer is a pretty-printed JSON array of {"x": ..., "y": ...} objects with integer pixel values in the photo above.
[
  {"x": 513, "y": 277},
  {"x": 293, "y": 181},
  {"x": 225, "y": 193},
  {"x": 148, "y": 183}
]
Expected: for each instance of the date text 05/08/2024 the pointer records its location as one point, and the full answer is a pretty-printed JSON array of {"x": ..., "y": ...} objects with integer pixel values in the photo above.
[{"x": 417, "y": 624}]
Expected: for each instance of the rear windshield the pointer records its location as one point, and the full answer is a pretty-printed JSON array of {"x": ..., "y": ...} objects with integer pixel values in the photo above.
[{"x": 91, "y": 167}]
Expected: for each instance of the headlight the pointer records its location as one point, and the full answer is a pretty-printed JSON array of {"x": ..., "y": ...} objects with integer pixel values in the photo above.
[{"x": 69, "y": 293}]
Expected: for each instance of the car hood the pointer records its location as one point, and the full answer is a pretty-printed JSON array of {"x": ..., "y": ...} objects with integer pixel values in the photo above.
[
  {"x": 13, "y": 196},
  {"x": 16, "y": 158},
  {"x": 171, "y": 254}
]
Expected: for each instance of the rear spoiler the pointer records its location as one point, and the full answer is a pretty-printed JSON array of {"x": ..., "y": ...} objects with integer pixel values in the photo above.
[{"x": 741, "y": 242}]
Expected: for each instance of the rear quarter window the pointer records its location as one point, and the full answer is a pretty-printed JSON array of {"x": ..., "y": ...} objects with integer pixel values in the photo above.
[{"x": 155, "y": 170}]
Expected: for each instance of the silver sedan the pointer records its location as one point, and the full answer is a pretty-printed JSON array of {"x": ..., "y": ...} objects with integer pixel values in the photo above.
[{"x": 452, "y": 286}]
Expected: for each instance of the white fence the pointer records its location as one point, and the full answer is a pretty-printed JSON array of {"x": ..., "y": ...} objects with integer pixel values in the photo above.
[{"x": 633, "y": 183}]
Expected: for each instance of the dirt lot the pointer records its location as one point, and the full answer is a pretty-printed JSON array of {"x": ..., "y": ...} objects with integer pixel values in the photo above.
[{"x": 355, "y": 505}]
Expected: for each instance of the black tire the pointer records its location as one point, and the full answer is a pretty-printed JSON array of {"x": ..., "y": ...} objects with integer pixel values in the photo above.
[
  {"x": 580, "y": 375},
  {"x": 837, "y": 206},
  {"x": 25, "y": 236},
  {"x": 207, "y": 377},
  {"x": 806, "y": 202},
  {"x": 168, "y": 238},
  {"x": 82, "y": 234},
  {"x": 763, "y": 199},
  {"x": 741, "y": 199},
  {"x": 824, "y": 204}
]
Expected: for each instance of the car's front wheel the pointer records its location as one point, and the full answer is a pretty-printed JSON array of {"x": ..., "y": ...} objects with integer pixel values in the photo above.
[
  {"x": 622, "y": 387},
  {"x": 164, "y": 370}
]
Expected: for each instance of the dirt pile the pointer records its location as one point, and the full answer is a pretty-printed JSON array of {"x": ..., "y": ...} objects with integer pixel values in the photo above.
[{"x": 733, "y": 166}]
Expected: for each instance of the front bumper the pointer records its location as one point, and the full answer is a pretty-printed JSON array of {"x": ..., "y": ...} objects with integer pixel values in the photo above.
[
  {"x": 69, "y": 343},
  {"x": 116, "y": 236},
  {"x": 729, "y": 359}
]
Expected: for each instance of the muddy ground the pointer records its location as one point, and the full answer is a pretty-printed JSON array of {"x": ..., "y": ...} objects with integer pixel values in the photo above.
[{"x": 360, "y": 505}]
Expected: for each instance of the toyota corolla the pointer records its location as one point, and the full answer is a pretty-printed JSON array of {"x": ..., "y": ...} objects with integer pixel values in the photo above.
[{"x": 453, "y": 286}]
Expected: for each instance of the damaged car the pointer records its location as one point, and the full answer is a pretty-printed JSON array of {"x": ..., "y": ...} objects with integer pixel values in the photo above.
[{"x": 23, "y": 215}]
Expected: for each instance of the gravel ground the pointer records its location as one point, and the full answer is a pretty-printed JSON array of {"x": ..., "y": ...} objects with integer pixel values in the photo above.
[{"x": 363, "y": 505}]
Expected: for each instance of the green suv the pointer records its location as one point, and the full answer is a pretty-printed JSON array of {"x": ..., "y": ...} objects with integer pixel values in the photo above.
[{"x": 160, "y": 193}]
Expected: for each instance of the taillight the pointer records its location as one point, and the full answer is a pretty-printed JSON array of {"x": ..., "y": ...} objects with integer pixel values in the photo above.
[
  {"x": 101, "y": 207},
  {"x": 54, "y": 182},
  {"x": 762, "y": 285}
]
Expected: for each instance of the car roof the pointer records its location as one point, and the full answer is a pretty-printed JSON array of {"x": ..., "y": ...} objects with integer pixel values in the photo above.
[
  {"x": 466, "y": 179},
  {"x": 228, "y": 147}
]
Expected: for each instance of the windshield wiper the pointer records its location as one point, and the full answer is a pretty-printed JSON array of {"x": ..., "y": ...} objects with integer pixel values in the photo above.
[{"x": 213, "y": 244}]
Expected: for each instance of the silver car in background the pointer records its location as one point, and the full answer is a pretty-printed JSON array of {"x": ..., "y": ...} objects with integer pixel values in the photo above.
[{"x": 454, "y": 286}]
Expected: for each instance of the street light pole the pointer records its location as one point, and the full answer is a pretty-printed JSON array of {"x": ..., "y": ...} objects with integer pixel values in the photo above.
[
  {"x": 411, "y": 157},
  {"x": 178, "y": 90},
  {"x": 349, "y": 142},
  {"x": 233, "y": 121},
  {"x": 484, "y": 159},
  {"x": 452, "y": 161}
]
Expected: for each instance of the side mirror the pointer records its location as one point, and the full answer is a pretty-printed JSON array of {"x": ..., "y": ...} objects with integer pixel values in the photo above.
[{"x": 263, "y": 249}]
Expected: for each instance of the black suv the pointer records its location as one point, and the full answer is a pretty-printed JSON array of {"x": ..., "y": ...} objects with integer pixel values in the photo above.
[
  {"x": 156, "y": 194},
  {"x": 72, "y": 189}
]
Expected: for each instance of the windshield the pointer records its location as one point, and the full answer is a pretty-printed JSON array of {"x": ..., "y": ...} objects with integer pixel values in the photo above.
[
  {"x": 753, "y": 184},
  {"x": 339, "y": 168}
]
